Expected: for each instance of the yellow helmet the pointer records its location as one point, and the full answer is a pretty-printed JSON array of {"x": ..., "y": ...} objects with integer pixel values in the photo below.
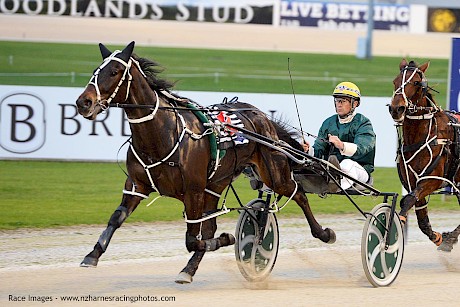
[{"x": 347, "y": 89}]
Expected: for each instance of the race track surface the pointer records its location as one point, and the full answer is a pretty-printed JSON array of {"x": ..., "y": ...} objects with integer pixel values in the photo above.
[{"x": 144, "y": 260}]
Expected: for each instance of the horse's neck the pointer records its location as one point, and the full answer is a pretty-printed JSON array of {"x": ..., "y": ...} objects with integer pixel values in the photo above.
[
  {"x": 140, "y": 94},
  {"x": 417, "y": 130},
  {"x": 154, "y": 136}
]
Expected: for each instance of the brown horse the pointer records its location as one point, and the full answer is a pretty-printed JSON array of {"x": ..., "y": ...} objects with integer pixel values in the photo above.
[
  {"x": 428, "y": 153},
  {"x": 170, "y": 153}
]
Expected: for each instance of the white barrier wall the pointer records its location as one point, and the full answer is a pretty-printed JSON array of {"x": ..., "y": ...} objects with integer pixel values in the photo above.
[{"x": 42, "y": 122}]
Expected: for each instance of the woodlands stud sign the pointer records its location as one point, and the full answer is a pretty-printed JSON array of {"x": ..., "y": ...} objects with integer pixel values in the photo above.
[{"x": 233, "y": 11}]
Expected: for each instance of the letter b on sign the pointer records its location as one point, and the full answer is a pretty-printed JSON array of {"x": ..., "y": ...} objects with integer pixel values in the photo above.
[{"x": 22, "y": 122}]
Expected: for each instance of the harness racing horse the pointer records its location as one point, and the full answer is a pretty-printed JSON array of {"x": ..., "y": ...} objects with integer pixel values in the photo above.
[
  {"x": 170, "y": 153},
  {"x": 428, "y": 152}
]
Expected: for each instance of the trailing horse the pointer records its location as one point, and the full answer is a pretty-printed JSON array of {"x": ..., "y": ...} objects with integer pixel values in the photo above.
[
  {"x": 173, "y": 152},
  {"x": 429, "y": 149}
]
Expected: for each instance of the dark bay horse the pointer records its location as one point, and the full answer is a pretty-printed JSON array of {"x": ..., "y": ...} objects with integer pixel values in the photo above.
[
  {"x": 428, "y": 152},
  {"x": 170, "y": 153}
]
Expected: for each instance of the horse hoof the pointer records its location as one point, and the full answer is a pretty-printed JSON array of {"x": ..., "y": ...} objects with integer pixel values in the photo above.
[
  {"x": 229, "y": 238},
  {"x": 332, "y": 236},
  {"x": 445, "y": 247},
  {"x": 89, "y": 262},
  {"x": 184, "y": 278}
]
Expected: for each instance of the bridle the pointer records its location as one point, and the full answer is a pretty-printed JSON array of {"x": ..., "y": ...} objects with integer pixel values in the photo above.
[
  {"x": 105, "y": 103},
  {"x": 408, "y": 73}
]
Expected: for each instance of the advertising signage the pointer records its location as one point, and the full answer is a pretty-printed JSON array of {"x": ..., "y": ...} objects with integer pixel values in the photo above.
[
  {"x": 343, "y": 16},
  {"x": 235, "y": 11},
  {"x": 40, "y": 122},
  {"x": 443, "y": 20},
  {"x": 454, "y": 76}
]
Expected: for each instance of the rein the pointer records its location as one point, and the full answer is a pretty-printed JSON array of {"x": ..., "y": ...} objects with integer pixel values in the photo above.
[{"x": 147, "y": 106}]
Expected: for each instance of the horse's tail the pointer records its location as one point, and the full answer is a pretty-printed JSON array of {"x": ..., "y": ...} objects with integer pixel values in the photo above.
[{"x": 287, "y": 133}]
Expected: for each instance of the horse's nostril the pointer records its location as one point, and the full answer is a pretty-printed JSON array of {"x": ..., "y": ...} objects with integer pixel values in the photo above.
[
  {"x": 84, "y": 103},
  {"x": 401, "y": 109}
]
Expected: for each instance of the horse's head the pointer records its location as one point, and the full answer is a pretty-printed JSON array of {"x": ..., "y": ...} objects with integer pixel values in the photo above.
[
  {"x": 410, "y": 87},
  {"x": 103, "y": 87}
]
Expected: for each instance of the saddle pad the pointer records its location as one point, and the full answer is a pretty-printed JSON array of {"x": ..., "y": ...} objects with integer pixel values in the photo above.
[{"x": 228, "y": 136}]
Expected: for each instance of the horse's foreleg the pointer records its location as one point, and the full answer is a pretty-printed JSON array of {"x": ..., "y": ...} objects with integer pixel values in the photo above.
[
  {"x": 407, "y": 202},
  {"x": 417, "y": 198},
  {"x": 200, "y": 245},
  {"x": 127, "y": 206},
  {"x": 424, "y": 223},
  {"x": 200, "y": 239},
  {"x": 207, "y": 244},
  {"x": 450, "y": 238}
]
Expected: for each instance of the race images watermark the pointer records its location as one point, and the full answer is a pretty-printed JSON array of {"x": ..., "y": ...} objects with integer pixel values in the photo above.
[{"x": 90, "y": 298}]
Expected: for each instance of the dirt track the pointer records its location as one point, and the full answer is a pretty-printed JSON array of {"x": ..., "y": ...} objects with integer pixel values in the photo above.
[{"x": 144, "y": 259}]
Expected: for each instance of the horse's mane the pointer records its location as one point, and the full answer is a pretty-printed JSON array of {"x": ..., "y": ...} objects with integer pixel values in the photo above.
[
  {"x": 151, "y": 70},
  {"x": 413, "y": 64},
  {"x": 287, "y": 133}
]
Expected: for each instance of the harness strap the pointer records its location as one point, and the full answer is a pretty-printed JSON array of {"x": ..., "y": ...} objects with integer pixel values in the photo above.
[
  {"x": 173, "y": 97},
  {"x": 134, "y": 193},
  {"x": 408, "y": 167},
  {"x": 148, "y": 117},
  {"x": 423, "y": 116},
  {"x": 222, "y": 211},
  {"x": 416, "y": 146},
  {"x": 212, "y": 193},
  {"x": 145, "y": 168},
  {"x": 148, "y": 167},
  {"x": 216, "y": 153},
  {"x": 433, "y": 164}
]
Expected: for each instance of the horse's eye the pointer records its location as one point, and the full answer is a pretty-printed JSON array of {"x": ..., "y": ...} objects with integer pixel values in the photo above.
[{"x": 114, "y": 73}]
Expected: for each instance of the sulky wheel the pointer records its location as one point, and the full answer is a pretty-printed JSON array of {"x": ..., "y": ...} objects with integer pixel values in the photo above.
[
  {"x": 255, "y": 252},
  {"x": 382, "y": 265}
]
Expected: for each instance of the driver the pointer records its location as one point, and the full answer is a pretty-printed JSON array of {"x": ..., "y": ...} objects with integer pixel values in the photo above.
[{"x": 350, "y": 135}]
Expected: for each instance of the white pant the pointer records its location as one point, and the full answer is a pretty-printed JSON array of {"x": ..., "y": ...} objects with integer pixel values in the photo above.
[{"x": 353, "y": 169}]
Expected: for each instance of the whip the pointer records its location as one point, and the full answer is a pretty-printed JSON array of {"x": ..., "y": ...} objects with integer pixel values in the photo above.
[{"x": 295, "y": 101}]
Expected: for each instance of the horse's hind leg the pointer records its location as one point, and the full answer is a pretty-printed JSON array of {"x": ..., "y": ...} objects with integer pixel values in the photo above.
[
  {"x": 326, "y": 235},
  {"x": 127, "y": 206},
  {"x": 449, "y": 239},
  {"x": 276, "y": 173}
]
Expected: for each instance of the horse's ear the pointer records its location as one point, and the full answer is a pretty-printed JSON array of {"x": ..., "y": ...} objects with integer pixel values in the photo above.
[
  {"x": 424, "y": 67},
  {"x": 127, "y": 52},
  {"x": 402, "y": 64},
  {"x": 104, "y": 51}
]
